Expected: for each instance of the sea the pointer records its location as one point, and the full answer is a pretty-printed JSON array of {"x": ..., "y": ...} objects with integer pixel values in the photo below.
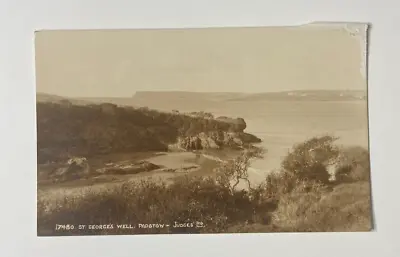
[{"x": 282, "y": 124}]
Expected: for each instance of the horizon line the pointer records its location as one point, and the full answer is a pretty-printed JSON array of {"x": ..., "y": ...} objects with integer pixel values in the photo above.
[{"x": 201, "y": 92}]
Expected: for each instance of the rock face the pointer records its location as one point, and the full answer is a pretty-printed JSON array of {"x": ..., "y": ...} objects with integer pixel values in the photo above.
[
  {"x": 239, "y": 123},
  {"x": 183, "y": 169},
  {"x": 216, "y": 140},
  {"x": 75, "y": 168},
  {"x": 127, "y": 167}
]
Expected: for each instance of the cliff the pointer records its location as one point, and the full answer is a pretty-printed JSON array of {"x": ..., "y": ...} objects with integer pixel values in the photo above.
[
  {"x": 216, "y": 140},
  {"x": 65, "y": 130}
]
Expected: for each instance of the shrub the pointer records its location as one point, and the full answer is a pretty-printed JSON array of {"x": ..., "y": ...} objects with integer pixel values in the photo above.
[
  {"x": 354, "y": 165},
  {"x": 292, "y": 209},
  {"x": 309, "y": 204},
  {"x": 346, "y": 208},
  {"x": 308, "y": 160},
  {"x": 187, "y": 200}
]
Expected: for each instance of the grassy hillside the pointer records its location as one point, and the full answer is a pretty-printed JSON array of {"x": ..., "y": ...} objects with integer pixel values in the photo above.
[{"x": 66, "y": 129}]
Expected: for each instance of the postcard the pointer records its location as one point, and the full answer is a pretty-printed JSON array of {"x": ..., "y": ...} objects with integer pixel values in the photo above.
[{"x": 203, "y": 130}]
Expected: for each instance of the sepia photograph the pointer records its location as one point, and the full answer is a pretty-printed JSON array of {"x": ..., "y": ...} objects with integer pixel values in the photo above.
[{"x": 203, "y": 130}]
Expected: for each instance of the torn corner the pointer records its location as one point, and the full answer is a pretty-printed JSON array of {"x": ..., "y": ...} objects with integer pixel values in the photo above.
[{"x": 351, "y": 27}]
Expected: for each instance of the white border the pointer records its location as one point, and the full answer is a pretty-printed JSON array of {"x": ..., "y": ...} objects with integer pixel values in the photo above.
[{"x": 18, "y": 20}]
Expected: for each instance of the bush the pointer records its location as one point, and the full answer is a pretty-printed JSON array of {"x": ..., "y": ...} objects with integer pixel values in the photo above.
[
  {"x": 292, "y": 209},
  {"x": 354, "y": 165},
  {"x": 277, "y": 184},
  {"x": 307, "y": 201},
  {"x": 187, "y": 200},
  {"x": 309, "y": 160},
  {"x": 342, "y": 208},
  {"x": 346, "y": 208},
  {"x": 293, "y": 195}
]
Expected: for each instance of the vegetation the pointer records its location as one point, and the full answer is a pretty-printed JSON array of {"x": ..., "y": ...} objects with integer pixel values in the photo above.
[
  {"x": 205, "y": 115},
  {"x": 309, "y": 160},
  {"x": 148, "y": 202},
  {"x": 297, "y": 198},
  {"x": 354, "y": 165},
  {"x": 309, "y": 200},
  {"x": 231, "y": 173},
  {"x": 64, "y": 129}
]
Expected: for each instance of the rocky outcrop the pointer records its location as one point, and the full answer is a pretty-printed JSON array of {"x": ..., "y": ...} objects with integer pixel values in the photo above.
[
  {"x": 239, "y": 123},
  {"x": 216, "y": 140},
  {"x": 75, "y": 168},
  {"x": 127, "y": 167},
  {"x": 183, "y": 169},
  {"x": 249, "y": 138}
]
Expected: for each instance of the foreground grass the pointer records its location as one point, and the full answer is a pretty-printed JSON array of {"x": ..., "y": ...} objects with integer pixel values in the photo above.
[
  {"x": 346, "y": 208},
  {"x": 147, "y": 202}
]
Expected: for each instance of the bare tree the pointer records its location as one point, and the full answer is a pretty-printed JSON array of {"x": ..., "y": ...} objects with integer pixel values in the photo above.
[{"x": 232, "y": 172}]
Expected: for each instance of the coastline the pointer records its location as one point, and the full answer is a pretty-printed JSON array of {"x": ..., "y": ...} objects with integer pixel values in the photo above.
[
  {"x": 147, "y": 144},
  {"x": 173, "y": 165}
]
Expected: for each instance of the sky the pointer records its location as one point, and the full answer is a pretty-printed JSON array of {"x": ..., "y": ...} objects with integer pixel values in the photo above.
[{"x": 117, "y": 63}]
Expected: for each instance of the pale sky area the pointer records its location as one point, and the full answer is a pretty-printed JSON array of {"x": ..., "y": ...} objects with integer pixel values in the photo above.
[{"x": 117, "y": 63}]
